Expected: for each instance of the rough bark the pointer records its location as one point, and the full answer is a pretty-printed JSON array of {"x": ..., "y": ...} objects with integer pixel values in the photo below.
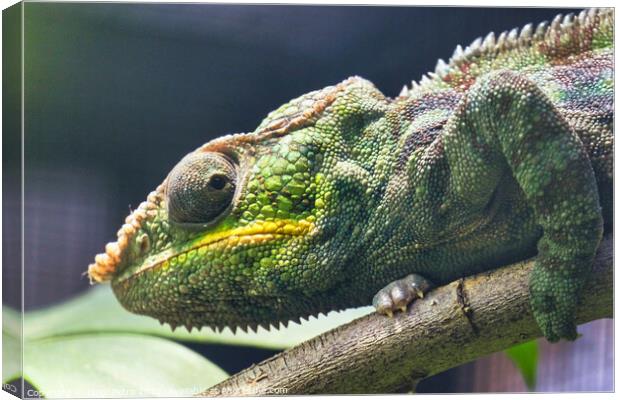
[{"x": 452, "y": 325}]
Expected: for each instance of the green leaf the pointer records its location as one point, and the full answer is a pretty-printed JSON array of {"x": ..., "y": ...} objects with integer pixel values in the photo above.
[
  {"x": 11, "y": 321},
  {"x": 11, "y": 357},
  {"x": 98, "y": 311},
  {"x": 525, "y": 357},
  {"x": 11, "y": 344},
  {"x": 116, "y": 365}
]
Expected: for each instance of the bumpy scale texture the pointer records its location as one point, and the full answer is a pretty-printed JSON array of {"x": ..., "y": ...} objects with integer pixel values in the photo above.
[{"x": 503, "y": 153}]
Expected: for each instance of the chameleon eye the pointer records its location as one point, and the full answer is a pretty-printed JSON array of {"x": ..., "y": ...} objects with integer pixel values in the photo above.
[{"x": 200, "y": 188}]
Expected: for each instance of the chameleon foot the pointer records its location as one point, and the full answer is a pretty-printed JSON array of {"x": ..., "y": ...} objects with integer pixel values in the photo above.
[
  {"x": 553, "y": 303},
  {"x": 399, "y": 294}
]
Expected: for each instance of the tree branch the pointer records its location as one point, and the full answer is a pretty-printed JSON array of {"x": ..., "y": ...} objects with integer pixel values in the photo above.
[{"x": 452, "y": 325}]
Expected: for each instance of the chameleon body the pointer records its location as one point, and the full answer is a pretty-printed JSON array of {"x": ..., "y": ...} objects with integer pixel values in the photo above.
[{"x": 504, "y": 153}]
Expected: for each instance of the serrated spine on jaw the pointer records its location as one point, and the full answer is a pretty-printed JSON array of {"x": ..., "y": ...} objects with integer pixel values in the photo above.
[
  {"x": 107, "y": 263},
  {"x": 564, "y": 31}
]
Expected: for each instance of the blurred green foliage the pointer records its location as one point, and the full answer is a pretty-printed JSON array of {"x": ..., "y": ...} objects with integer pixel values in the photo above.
[
  {"x": 92, "y": 347},
  {"x": 525, "y": 357}
]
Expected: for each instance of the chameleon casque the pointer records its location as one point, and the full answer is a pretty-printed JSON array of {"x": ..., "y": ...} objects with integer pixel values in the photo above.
[{"x": 504, "y": 153}]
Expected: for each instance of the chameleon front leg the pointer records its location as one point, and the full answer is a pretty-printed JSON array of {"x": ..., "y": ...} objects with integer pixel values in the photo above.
[{"x": 506, "y": 123}]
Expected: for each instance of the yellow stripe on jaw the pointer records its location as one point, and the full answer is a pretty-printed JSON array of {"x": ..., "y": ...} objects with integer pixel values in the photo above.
[
  {"x": 282, "y": 227},
  {"x": 255, "y": 233}
]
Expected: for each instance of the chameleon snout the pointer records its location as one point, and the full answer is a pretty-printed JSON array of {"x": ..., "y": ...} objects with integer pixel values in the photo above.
[{"x": 133, "y": 240}]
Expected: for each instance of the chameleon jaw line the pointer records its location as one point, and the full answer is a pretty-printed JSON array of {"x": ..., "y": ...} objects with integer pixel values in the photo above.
[{"x": 247, "y": 235}]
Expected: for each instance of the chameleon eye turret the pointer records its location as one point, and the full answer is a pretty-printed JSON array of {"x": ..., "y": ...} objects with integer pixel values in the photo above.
[{"x": 201, "y": 188}]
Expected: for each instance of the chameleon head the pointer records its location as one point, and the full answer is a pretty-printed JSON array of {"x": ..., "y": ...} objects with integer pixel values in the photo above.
[{"x": 250, "y": 228}]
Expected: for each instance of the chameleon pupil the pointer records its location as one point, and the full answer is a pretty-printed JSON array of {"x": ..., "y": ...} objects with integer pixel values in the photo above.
[{"x": 217, "y": 182}]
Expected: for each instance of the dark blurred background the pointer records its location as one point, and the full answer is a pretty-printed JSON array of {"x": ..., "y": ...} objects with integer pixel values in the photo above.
[{"x": 116, "y": 94}]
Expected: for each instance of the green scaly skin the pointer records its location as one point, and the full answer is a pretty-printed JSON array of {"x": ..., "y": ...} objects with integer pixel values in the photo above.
[{"x": 504, "y": 153}]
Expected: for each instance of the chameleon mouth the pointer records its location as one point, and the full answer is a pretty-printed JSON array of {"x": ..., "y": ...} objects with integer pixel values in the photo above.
[{"x": 254, "y": 234}]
